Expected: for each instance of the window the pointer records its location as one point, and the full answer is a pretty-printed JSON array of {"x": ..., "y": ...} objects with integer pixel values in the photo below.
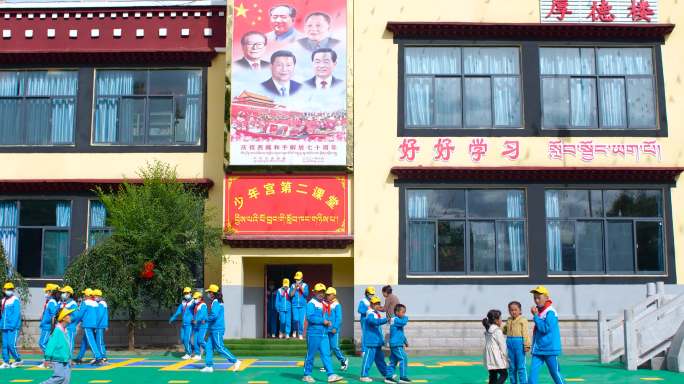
[
  {"x": 97, "y": 223},
  {"x": 604, "y": 231},
  {"x": 462, "y": 87},
  {"x": 598, "y": 88},
  {"x": 148, "y": 107},
  {"x": 35, "y": 235},
  {"x": 466, "y": 231},
  {"x": 37, "y": 107}
]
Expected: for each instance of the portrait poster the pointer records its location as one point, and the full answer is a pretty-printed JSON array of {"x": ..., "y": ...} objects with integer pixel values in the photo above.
[{"x": 288, "y": 83}]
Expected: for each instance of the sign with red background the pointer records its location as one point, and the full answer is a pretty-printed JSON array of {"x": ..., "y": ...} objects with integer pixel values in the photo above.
[{"x": 286, "y": 205}]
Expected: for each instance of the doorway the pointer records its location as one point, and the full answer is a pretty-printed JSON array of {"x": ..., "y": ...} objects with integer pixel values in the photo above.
[{"x": 274, "y": 275}]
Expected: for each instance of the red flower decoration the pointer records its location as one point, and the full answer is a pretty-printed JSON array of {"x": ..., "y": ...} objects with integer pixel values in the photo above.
[{"x": 148, "y": 270}]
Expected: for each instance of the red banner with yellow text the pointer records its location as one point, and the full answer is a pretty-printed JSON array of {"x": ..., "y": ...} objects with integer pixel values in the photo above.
[{"x": 286, "y": 205}]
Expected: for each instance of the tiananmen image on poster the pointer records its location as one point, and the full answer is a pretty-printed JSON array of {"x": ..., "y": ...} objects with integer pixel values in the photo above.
[{"x": 288, "y": 83}]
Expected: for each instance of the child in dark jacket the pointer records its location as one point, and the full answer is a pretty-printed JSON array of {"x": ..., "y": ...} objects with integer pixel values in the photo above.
[
  {"x": 546, "y": 341},
  {"x": 398, "y": 342}
]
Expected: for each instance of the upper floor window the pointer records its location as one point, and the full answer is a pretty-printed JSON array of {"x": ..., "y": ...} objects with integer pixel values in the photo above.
[
  {"x": 598, "y": 88},
  {"x": 614, "y": 231},
  {"x": 37, "y": 107},
  {"x": 466, "y": 231},
  {"x": 148, "y": 107},
  {"x": 462, "y": 87},
  {"x": 97, "y": 223}
]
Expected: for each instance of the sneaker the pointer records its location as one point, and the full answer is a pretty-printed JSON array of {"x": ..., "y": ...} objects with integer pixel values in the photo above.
[
  {"x": 17, "y": 364},
  {"x": 308, "y": 379},
  {"x": 282, "y": 336},
  {"x": 404, "y": 380},
  {"x": 78, "y": 361},
  {"x": 97, "y": 362},
  {"x": 236, "y": 366},
  {"x": 366, "y": 380},
  {"x": 196, "y": 357},
  {"x": 186, "y": 357},
  {"x": 390, "y": 380},
  {"x": 334, "y": 378},
  {"x": 207, "y": 370},
  {"x": 5, "y": 366},
  {"x": 301, "y": 337},
  {"x": 345, "y": 365},
  {"x": 43, "y": 365},
  {"x": 273, "y": 336}
]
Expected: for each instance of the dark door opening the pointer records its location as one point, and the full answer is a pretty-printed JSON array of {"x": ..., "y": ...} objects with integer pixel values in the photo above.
[{"x": 273, "y": 278}]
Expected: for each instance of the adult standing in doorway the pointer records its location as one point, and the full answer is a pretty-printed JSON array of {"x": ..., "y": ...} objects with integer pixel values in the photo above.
[
  {"x": 284, "y": 308},
  {"x": 272, "y": 311},
  {"x": 299, "y": 292}
]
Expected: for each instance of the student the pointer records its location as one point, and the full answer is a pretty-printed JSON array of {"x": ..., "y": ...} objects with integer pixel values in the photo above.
[
  {"x": 374, "y": 340},
  {"x": 398, "y": 342},
  {"x": 299, "y": 292},
  {"x": 517, "y": 342},
  {"x": 495, "y": 356},
  {"x": 10, "y": 324},
  {"x": 50, "y": 308},
  {"x": 88, "y": 313},
  {"x": 316, "y": 336},
  {"x": 102, "y": 322},
  {"x": 184, "y": 310},
  {"x": 284, "y": 307},
  {"x": 199, "y": 325},
  {"x": 333, "y": 312},
  {"x": 363, "y": 308},
  {"x": 67, "y": 302},
  {"x": 58, "y": 349},
  {"x": 217, "y": 327},
  {"x": 546, "y": 341},
  {"x": 272, "y": 315}
]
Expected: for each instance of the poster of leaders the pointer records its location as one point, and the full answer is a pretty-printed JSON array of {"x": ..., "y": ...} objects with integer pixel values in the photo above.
[{"x": 288, "y": 83}]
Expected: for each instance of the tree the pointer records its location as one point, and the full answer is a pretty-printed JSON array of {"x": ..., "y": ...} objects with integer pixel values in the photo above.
[{"x": 161, "y": 231}]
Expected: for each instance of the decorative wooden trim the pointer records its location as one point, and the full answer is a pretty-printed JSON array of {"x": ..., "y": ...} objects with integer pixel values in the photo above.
[
  {"x": 84, "y": 185},
  {"x": 308, "y": 242}
]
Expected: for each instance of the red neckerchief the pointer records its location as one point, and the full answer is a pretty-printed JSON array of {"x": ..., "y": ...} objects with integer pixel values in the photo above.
[
  {"x": 377, "y": 314},
  {"x": 197, "y": 306},
  {"x": 545, "y": 307},
  {"x": 326, "y": 307},
  {"x": 285, "y": 293},
  {"x": 185, "y": 306}
]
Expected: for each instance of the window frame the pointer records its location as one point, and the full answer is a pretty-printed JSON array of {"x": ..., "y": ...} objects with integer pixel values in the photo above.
[
  {"x": 23, "y": 107},
  {"x": 530, "y": 80},
  {"x": 466, "y": 220},
  {"x": 537, "y": 258}
]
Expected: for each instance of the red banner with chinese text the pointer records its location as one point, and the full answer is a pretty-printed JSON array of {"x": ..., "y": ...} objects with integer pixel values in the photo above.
[{"x": 286, "y": 205}]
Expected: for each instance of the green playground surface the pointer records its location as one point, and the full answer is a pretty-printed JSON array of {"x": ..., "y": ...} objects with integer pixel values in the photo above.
[{"x": 167, "y": 369}]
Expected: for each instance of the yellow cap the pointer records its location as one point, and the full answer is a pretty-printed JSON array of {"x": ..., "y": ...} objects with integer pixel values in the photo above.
[
  {"x": 8, "y": 285},
  {"x": 97, "y": 292},
  {"x": 370, "y": 290},
  {"x": 286, "y": 282},
  {"x": 213, "y": 288},
  {"x": 51, "y": 287},
  {"x": 319, "y": 287},
  {"x": 187, "y": 290},
  {"x": 197, "y": 295},
  {"x": 87, "y": 292},
  {"x": 64, "y": 313},
  {"x": 331, "y": 291},
  {"x": 67, "y": 289},
  {"x": 540, "y": 289},
  {"x": 375, "y": 300},
  {"x": 299, "y": 275}
]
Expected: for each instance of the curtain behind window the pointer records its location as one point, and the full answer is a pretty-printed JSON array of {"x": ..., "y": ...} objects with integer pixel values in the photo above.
[
  {"x": 51, "y": 121},
  {"x": 192, "y": 108},
  {"x": 110, "y": 83},
  {"x": 554, "y": 247},
  {"x": 97, "y": 230},
  {"x": 421, "y": 234},
  {"x": 56, "y": 242},
  {"x": 9, "y": 220},
  {"x": 516, "y": 230}
]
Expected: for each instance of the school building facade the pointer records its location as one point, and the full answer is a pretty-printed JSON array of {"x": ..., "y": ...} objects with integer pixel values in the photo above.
[{"x": 497, "y": 145}]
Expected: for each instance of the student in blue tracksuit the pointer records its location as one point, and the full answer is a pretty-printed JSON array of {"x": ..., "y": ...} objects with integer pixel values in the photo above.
[
  {"x": 334, "y": 315},
  {"x": 88, "y": 316},
  {"x": 217, "y": 327},
  {"x": 50, "y": 308},
  {"x": 67, "y": 301},
  {"x": 299, "y": 292},
  {"x": 199, "y": 325},
  {"x": 317, "y": 336},
  {"x": 397, "y": 343},
  {"x": 546, "y": 341},
  {"x": 374, "y": 339},
  {"x": 10, "y": 324},
  {"x": 364, "y": 306},
  {"x": 284, "y": 307},
  {"x": 272, "y": 316},
  {"x": 102, "y": 322},
  {"x": 184, "y": 310}
]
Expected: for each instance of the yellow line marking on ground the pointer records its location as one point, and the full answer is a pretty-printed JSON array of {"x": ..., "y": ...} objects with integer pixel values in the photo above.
[
  {"x": 179, "y": 381},
  {"x": 419, "y": 381},
  {"x": 257, "y": 382},
  {"x": 459, "y": 363},
  {"x": 120, "y": 364},
  {"x": 651, "y": 378},
  {"x": 246, "y": 363},
  {"x": 573, "y": 379},
  {"x": 416, "y": 365},
  {"x": 179, "y": 365},
  {"x": 21, "y": 381},
  {"x": 300, "y": 363},
  {"x": 434, "y": 366},
  {"x": 99, "y": 381}
]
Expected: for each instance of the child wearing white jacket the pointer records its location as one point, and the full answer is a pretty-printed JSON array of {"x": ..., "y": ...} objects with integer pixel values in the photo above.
[{"x": 495, "y": 353}]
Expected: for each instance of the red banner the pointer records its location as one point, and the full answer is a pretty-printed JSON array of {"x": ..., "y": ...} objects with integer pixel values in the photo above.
[{"x": 287, "y": 205}]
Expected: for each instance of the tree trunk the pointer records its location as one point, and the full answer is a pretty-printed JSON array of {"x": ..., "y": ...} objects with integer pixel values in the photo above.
[{"x": 131, "y": 332}]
